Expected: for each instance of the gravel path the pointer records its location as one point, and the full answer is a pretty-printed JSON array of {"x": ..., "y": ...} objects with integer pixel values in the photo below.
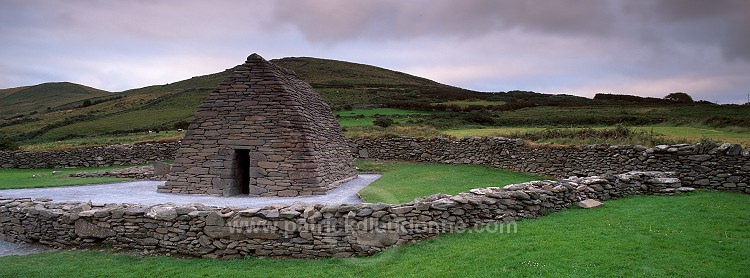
[
  {"x": 10, "y": 248},
  {"x": 144, "y": 192}
]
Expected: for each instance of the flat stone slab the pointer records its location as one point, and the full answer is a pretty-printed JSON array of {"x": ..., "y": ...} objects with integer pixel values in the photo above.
[
  {"x": 144, "y": 192},
  {"x": 590, "y": 203}
]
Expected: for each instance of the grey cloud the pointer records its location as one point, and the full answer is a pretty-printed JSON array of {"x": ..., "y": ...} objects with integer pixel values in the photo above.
[
  {"x": 737, "y": 44},
  {"x": 690, "y": 10},
  {"x": 722, "y": 23},
  {"x": 156, "y": 20},
  {"x": 338, "y": 20}
]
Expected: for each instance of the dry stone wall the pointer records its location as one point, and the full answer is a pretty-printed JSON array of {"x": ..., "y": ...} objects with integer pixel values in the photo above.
[
  {"x": 707, "y": 165},
  {"x": 307, "y": 231},
  {"x": 711, "y": 166},
  {"x": 91, "y": 157},
  {"x": 147, "y": 172}
]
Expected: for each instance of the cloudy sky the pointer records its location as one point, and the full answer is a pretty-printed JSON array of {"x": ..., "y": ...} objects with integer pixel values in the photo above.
[{"x": 580, "y": 47}]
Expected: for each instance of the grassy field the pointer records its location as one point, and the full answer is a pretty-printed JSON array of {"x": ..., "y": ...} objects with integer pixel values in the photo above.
[
  {"x": 404, "y": 181},
  {"x": 368, "y": 122},
  {"x": 23, "y": 178},
  {"x": 60, "y": 118},
  {"x": 151, "y": 109},
  {"x": 362, "y": 127},
  {"x": 369, "y": 112},
  {"x": 365, "y": 117},
  {"x": 25, "y": 100},
  {"x": 702, "y": 234},
  {"x": 473, "y": 102},
  {"x": 695, "y": 134},
  {"x": 103, "y": 140},
  {"x": 643, "y": 115},
  {"x": 179, "y": 108},
  {"x": 391, "y": 131},
  {"x": 682, "y": 134}
]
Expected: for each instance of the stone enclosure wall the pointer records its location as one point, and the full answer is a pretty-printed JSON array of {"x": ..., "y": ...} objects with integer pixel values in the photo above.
[
  {"x": 307, "y": 231},
  {"x": 708, "y": 165},
  {"x": 135, "y": 154},
  {"x": 312, "y": 231},
  {"x": 711, "y": 166}
]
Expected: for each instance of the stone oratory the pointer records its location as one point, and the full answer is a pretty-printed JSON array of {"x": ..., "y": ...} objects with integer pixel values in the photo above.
[{"x": 262, "y": 132}]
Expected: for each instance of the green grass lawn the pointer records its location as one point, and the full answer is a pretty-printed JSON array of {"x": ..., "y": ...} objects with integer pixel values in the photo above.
[
  {"x": 23, "y": 178},
  {"x": 364, "y": 117},
  {"x": 351, "y": 122},
  {"x": 403, "y": 181},
  {"x": 695, "y": 134},
  {"x": 369, "y": 112},
  {"x": 702, "y": 234}
]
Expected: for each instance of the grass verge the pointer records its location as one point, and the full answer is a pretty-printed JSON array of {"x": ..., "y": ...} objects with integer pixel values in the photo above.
[
  {"x": 23, "y": 178},
  {"x": 703, "y": 234},
  {"x": 105, "y": 140},
  {"x": 473, "y": 102},
  {"x": 644, "y": 135},
  {"x": 366, "y": 117},
  {"x": 403, "y": 181},
  {"x": 369, "y": 112},
  {"x": 391, "y": 131}
]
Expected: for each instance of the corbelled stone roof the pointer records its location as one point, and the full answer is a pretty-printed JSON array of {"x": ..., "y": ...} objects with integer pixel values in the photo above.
[{"x": 264, "y": 123}]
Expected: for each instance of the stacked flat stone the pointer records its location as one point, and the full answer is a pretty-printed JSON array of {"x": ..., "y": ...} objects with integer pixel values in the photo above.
[
  {"x": 99, "y": 156},
  {"x": 135, "y": 172},
  {"x": 704, "y": 165},
  {"x": 294, "y": 143},
  {"x": 306, "y": 230}
]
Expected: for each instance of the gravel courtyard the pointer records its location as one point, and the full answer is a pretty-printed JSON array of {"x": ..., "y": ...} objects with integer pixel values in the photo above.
[{"x": 144, "y": 192}]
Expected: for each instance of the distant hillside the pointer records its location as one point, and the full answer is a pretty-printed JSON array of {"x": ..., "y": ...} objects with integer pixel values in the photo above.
[
  {"x": 344, "y": 85},
  {"x": 173, "y": 105},
  {"x": 39, "y": 97},
  {"x": 10, "y": 91}
]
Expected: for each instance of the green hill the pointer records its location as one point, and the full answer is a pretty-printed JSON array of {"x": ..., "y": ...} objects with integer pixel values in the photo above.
[
  {"x": 10, "y": 91},
  {"x": 53, "y": 111},
  {"x": 39, "y": 97},
  {"x": 346, "y": 84},
  {"x": 172, "y": 105}
]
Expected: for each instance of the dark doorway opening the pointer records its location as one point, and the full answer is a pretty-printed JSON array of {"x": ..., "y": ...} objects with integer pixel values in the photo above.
[{"x": 242, "y": 173}]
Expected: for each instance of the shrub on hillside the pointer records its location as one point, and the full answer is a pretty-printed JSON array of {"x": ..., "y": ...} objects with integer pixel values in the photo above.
[
  {"x": 383, "y": 122},
  {"x": 479, "y": 117},
  {"x": 181, "y": 125},
  {"x": 6, "y": 144},
  {"x": 679, "y": 97},
  {"x": 86, "y": 103}
]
